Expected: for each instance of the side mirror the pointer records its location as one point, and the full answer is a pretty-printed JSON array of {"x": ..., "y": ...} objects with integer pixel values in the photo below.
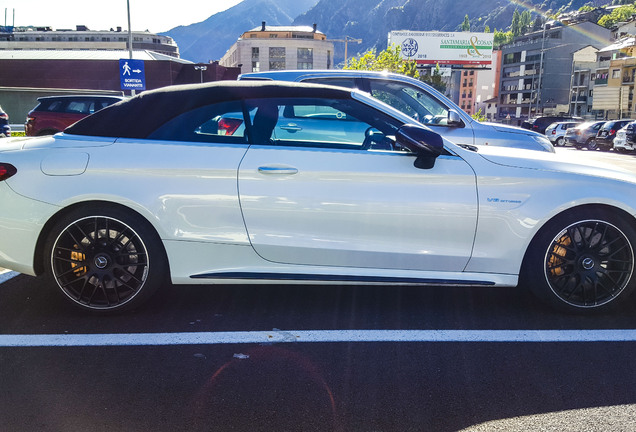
[
  {"x": 454, "y": 119},
  {"x": 426, "y": 144}
]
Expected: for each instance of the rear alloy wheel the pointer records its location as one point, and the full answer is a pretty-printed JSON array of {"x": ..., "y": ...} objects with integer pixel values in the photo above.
[
  {"x": 591, "y": 144},
  {"x": 585, "y": 264},
  {"x": 106, "y": 261},
  {"x": 559, "y": 142}
]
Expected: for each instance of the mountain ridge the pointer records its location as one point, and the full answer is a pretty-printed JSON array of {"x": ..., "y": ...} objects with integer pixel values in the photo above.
[{"x": 369, "y": 20}]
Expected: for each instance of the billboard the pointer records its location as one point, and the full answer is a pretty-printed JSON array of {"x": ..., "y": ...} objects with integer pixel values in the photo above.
[{"x": 445, "y": 48}]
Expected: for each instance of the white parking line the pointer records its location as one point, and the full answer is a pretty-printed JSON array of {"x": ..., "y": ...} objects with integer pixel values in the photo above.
[
  {"x": 5, "y": 275},
  {"x": 318, "y": 336}
]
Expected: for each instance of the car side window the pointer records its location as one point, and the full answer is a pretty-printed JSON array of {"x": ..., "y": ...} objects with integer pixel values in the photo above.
[
  {"x": 217, "y": 123},
  {"x": 412, "y": 101},
  {"x": 325, "y": 123}
]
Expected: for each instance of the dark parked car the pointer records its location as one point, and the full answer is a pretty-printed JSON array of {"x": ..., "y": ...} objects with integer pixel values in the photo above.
[
  {"x": 5, "y": 129},
  {"x": 53, "y": 114},
  {"x": 582, "y": 135},
  {"x": 539, "y": 124},
  {"x": 606, "y": 134}
]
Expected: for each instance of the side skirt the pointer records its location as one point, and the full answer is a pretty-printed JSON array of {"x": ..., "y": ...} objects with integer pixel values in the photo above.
[{"x": 299, "y": 277}]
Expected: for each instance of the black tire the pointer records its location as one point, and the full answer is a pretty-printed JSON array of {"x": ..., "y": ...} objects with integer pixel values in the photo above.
[
  {"x": 582, "y": 261},
  {"x": 105, "y": 259},
  {"x": 591, "y": 144},
  {"x": 559, "y": 142}
]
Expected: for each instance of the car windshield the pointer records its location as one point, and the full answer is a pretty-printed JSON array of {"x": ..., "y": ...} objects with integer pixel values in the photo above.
[{"x": 411, "y": 101}]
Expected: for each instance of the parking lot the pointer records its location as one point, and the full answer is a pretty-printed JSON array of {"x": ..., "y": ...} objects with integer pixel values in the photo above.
[{"x": 338, "y": 358}]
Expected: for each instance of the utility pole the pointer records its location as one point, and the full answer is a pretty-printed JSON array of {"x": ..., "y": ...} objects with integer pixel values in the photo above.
[
  {"x": 346, "y": 41},
  {"x": 130, "y": 49}
]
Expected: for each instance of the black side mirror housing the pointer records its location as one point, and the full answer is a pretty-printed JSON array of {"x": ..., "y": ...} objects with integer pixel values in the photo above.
[{"x": 426, "y": 144}]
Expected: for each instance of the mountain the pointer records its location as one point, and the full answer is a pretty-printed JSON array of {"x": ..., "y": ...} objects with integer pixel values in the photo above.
[
  {"x": 210, "y": 39},
  {"x": 372, "y": 20},
  {"x": 369, "y": 20}
]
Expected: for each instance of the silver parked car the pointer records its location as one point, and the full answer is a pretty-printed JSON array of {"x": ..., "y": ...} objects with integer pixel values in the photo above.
[
  {"x": 556, "y": 131},
  {"x": 421, "y": 102}
]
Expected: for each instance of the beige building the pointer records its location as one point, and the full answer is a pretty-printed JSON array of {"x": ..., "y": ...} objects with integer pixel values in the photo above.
[
  {"x": 614, "y": 80},
  {"x": 268, "y": 48},
  {"x": 81, "y": 39}
]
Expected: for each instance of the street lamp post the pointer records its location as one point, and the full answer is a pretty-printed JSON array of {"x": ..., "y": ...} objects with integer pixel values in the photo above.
[
  {"x": 201, "y": 68},
  {"x": 130, "y": 49}
]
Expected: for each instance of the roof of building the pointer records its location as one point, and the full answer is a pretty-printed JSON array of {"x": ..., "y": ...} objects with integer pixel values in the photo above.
[
  {"x": 85, "y": 55},
  {"x": 306, "y": 29},
  {"x": 620, "y": 44}
]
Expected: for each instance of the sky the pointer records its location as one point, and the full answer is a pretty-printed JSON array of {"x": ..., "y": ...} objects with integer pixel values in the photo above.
[{"x": 153, "y": 15}]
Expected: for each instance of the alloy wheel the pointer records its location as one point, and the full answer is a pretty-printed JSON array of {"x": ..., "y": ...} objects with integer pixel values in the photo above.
[
  {"x": 100, "y": 262},
  {"x": 589, "y": 263}
]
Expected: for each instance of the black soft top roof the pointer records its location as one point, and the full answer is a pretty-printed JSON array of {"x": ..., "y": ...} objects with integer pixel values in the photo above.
[{"x": 139, "y": 116}]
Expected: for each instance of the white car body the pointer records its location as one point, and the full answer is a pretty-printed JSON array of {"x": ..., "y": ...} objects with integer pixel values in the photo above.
[
  {"x": 620, "y": 142},
  {"x": 262, "y": 214}
]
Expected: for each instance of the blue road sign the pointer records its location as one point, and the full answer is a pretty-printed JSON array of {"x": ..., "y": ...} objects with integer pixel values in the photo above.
[{"x": 132, "y": 74}]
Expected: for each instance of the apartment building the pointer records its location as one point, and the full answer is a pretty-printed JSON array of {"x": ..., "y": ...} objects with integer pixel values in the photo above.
[
  {"x": 582, "y": 82},
  {"x": 280, "y": 47},
  {"x": 537, "y": 68},
  {"x": 614, "y": 80}
]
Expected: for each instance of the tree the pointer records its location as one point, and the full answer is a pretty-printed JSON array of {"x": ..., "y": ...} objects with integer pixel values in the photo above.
[
  {"x": 502, "y": 38},
  {"x": 466, "y": 24},
  {"x": 479, "y": 116},
  {"x": 537, "y": 24},
  {"x": 487, "y": 29},
  {"x": 524, "y": 21},
  {"x": 435, "y": 79},
  {"x": 623, "y": 13},
  {"x": 388, "y": 60},
  {"x": 515, "y": 27}
]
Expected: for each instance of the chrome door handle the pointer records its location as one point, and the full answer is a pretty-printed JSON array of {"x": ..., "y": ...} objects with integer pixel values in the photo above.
[
  {"x": 277, "y": 170},
  {"x": 291, "y": 127}
]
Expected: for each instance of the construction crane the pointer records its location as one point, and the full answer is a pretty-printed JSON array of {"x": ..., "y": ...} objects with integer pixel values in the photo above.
[{"x": 346, "y": 41}]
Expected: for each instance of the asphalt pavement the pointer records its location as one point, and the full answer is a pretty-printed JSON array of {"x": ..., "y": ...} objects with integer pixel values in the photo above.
[{"x": 314, "y": 358}]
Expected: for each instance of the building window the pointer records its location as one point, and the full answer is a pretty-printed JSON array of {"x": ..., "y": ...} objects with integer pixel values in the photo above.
[
  {"x": 276, "y": 58},
  {"x": 255, "y": 53},
  {"x": 256, "y": 66},
  {"x": 273, "y": 35},
  {"x": 616, "y": 73},
  {"x": 305, "y": 58}
]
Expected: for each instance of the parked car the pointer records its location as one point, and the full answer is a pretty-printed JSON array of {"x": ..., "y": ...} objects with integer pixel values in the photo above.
[
  {"x": 556, "y": 131},
  {"x": 605, "y": 137},
  {"x": 53, "y": 114},
  {"x": 5, "y": 129},
  {"x": 581, "y": 135},
  {"x": 122, "y": 202},
  {"x": 539, "y": 124},
  {"x": 421, "y": 102},
  {"x": 626, "y": 138}
]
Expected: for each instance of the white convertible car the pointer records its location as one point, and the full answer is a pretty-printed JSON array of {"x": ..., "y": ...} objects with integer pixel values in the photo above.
[{"x": 253, "y": 182}]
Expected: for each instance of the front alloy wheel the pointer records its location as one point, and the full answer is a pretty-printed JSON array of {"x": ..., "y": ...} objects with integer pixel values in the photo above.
[
  {"x": 103, "y": 264},
  {"x": 589, "y": 263}
]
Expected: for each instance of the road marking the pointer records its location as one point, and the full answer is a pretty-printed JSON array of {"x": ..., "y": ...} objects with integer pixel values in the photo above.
[
  {"x": 5, "y": 275},
  {"x": 317, "y": 336}
]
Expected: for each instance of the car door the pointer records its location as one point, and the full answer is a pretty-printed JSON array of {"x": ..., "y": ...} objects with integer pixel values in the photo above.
[{"x": 355, "y": 201}]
